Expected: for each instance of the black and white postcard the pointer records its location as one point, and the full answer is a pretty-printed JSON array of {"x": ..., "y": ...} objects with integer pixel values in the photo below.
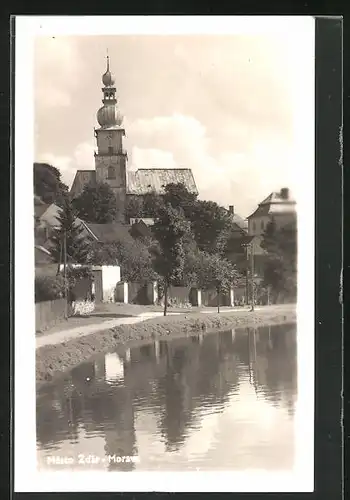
[{"x": 164, "y": 309}]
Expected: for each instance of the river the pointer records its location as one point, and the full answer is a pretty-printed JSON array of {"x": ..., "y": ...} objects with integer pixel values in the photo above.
[{"x": 221, "y": 401}]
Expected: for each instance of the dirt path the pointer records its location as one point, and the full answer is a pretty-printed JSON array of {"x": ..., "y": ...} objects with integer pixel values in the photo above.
[{"x": 66, "y": 334}]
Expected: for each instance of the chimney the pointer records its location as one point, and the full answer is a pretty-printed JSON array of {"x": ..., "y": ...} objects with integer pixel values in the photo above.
[
  {"x": 231, "y": 210},
  {"x": 284, "y": 193}
]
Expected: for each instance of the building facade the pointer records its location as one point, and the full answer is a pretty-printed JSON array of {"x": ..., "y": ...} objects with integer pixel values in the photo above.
[
  {"x": 278, "y": 207},
  {"x": 111, "y": 159}
]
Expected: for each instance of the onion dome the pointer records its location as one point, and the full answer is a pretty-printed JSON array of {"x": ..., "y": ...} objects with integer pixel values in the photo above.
[
  {"x": 109, "y": 116},
  {"x": 108, "y": 78}
]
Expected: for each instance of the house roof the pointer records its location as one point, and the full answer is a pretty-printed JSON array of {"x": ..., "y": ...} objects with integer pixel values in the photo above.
[
  {"x": 39, "y": 210},
  {"x": 275, "y": 204},
  {"x": 108, "y": 233},
  {"x": 237, "y": 245},
  {"x": 240, "y": 222},
  {"x": 38, "y": 200},
  {"x": 148, "y": 180},
  {"x": 139, "y": 228},
  {"x": 42, "y": 255}
]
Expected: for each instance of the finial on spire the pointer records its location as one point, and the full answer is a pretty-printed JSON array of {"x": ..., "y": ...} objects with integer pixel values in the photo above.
[{"x": 107, "y": 60}]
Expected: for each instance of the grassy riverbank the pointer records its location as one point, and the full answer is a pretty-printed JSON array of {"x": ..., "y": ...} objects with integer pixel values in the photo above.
[{"x": 54, "y": 359}]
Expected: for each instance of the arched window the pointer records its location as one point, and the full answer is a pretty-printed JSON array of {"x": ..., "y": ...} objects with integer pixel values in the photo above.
[
  {"x": 253, "y": 226},
  {"x": 111, "y": 173},
  {"x": 262, "y": 225},
  {"x": 110, "y": 150}
]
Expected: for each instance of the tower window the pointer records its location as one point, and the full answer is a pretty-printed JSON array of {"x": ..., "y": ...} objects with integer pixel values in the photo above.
[
  {"x": 253, "y": 226},
  {"x": 111, "y": 173},
  {"x": 262, "y": 225},
  {"x": 110, "y": 150}
]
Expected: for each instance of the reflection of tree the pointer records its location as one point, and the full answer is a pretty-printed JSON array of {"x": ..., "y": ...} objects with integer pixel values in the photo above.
[
  {"x": 173, "y": 379},
  {"x": 271, "y": 358}
]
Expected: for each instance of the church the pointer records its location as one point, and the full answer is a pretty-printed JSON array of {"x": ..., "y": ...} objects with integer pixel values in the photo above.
[{"x": 111, "y": 159}]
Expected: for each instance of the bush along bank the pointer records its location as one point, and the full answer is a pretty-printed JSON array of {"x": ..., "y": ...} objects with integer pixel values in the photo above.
[{"x": 54, "y": 359}]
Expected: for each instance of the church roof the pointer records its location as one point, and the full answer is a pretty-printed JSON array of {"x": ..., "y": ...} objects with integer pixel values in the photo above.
[
  {"x": 142, "y": 181},
  {"x": 148, "y": 180},
  {"x": 81, "y": 179}
]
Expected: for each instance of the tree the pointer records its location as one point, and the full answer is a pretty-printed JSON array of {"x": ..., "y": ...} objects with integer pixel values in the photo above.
[
  {"x": 280, "y": 273},
  {"x": 210, "y": 223},
  {"x": 48, "y": 185},
  {"x": 97, "y": 204},
  {"x": 133, "y": 257},
  {"x": 214, "y": 271},
  {"x": 134, "y": 207},
  {"x": 179, "y": 197},
  {"x": 171, "y": 230},
  {"x": 69, "y": 234}
]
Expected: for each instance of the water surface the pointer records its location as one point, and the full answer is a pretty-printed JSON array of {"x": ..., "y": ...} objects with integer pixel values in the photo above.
[{"x": 224, "y": 401}]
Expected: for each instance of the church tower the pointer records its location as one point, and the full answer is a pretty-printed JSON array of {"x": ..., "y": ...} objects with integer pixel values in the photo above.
[{"x": 111, "y": 158}]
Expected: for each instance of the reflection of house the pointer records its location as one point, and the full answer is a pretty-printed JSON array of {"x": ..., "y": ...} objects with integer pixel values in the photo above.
[{"x": 280, "y": 207}]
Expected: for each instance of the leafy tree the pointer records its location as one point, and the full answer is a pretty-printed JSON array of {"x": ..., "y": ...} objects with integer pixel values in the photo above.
[
  {"x": 214, "y": 271},
  {"x": 134, "y": 207},
  {"x": 48, "y": 288},
  {"x": 152, "y": 205},
  {"x": 70, "y": 232},
  {"x": 179, "y": 197},
  {"x": 280, "y": 273},
  {"x": 48, "y": 185},
  {"x": 210, "y": 223},
  {"x": 97, "y": 204},
  {"x": 133, "y": 257},
  {"x": 171, "y": 231}
]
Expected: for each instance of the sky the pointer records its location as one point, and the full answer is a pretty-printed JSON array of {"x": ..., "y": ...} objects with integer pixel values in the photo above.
[{"x": 222, "y": 105}]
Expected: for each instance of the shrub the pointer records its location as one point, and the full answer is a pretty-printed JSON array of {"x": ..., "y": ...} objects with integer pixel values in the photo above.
[
  {"x": 82, "y": 307},
  {"x": 48, "y": 288}
]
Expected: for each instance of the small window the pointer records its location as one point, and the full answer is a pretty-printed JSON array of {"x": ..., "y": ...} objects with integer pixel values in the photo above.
[
  {"x": 110, "y": 150},
  {"x": 262, "y": 225},
  {"x": 253, "y": 226},
  {"x": 111, "y": 173}
]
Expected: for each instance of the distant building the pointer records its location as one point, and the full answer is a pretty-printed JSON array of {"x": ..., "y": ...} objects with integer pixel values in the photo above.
[
  {"x": 239, "y": 226},
  {"x": 111, "y": 159},
  {"x": 279, "y": 207}
]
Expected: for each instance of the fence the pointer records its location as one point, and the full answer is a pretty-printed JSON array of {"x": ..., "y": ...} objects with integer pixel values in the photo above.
[
  {"x": 49, "y": 313},
  {"x": 179, "y": 294},
  {"x": 210, "y": 298}
]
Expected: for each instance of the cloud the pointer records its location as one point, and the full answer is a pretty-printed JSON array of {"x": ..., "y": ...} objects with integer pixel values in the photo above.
[
  {"x": 223, "y": 106},
  {"x": 182, "y": 141},
  {"x": 57, "y": 68},
  {"x": 82, "y": 158}
]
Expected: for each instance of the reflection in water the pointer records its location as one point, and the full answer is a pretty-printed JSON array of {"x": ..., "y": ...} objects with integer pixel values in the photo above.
[{"x": 220, "y": 401}]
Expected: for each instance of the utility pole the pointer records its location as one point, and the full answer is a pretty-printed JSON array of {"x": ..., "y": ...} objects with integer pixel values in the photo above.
[
  {"x": 65, "y": 272},
  {"x": 246, "y": 276},
  {"x": 252, "y": 274}
]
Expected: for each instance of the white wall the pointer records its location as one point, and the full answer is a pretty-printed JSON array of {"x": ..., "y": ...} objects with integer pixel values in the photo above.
[
  {"x": 260, "y": 225},
  {"x": 110, "y": 278}
]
